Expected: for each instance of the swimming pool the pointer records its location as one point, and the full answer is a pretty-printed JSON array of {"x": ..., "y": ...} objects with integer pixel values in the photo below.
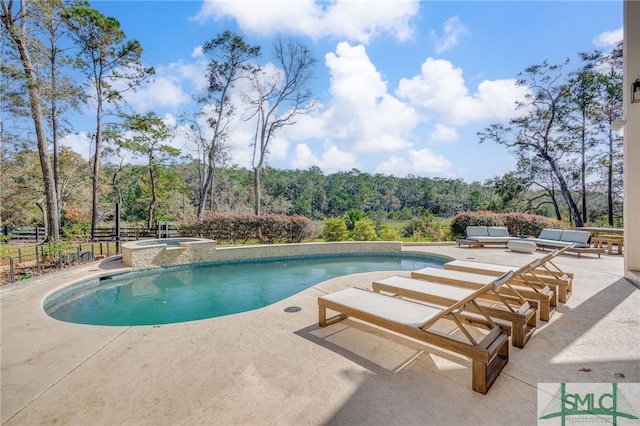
[{"x": 182, "y": 294}]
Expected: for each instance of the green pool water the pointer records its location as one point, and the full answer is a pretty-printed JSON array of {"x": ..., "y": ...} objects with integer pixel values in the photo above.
[{"x": 199, "y": 292}]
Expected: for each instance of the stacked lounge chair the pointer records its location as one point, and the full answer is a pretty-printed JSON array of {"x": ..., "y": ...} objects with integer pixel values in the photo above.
[
  {"x": 475, "y": 296},
  {"x": 533, "y": 290},
  {"x": 547, "y": 272},
  {"x": 514, "y": 314}
]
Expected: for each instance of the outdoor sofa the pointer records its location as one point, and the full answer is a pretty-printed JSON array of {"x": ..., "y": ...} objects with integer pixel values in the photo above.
[
  {"x": 480, "y": 236},
  {"x": 561, "y": 238}
]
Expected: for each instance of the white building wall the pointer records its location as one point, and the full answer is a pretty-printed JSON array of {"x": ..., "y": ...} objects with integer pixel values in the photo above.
[{"x": 631, "y": 143}]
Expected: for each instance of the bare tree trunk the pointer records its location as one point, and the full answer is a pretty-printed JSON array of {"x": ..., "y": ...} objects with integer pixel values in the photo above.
[
  {"x": 256, "y": 190},
  {"x": 566, "y": 193},
  {"x": 19, "y": 37},
  {"x": 154, "y": 199},
  {"x": 95, "y": 211},
  {"x": 55, "y": 129},
  {"x": 554, "y": 201},
  {"x": 583, "y": 178},
  {"x": 207, "y": 186}
]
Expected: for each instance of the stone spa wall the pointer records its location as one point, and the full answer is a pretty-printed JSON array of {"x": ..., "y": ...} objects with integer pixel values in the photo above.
[{"x": 181, "y": 251}]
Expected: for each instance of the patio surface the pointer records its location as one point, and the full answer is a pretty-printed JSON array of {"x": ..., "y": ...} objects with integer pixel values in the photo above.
[{"x": 270, "y": 367}]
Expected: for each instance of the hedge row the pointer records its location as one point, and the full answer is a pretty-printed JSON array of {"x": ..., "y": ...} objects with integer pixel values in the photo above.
[
  {"x": 241, "y": 228},
  {"x": 516, "y": 223}
]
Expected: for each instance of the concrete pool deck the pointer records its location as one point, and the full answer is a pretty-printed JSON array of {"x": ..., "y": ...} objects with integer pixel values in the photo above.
[{"x": 270, "y": 367}]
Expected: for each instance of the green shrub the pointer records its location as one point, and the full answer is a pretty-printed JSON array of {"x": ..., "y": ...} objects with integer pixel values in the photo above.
[
  {"x": 51, "y": 249},
  {"x": 438, "y": 231},
  {"x": 335, "y": 229},
  {"x": 364, "y": 230},
  {"x": 418, "y": 227},
  {"x": 352, "y": 217},
  {"x": 388, "y": 233}
]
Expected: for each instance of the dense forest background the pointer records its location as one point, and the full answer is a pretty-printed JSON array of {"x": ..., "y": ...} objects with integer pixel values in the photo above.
[
  {"x": 60, "y": 57},
  {"x": 304, "y": 192}
]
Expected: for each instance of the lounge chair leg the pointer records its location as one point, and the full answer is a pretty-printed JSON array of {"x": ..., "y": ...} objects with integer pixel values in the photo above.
[
  {"x": 545, "y": 312},
  {"x": 562, "y": 294},
  {"x": 517, "y": 335},
  {"x": 483, "y": 374},
  {"x": 322, "y": 316}
]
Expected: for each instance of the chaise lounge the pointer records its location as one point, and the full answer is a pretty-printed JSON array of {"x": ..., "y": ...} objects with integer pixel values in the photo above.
[
  {"x": 487, "y": 346},
  {"x": 514, "y": 314},
  {"x": 547, "y": 272},
  {"x": 527, "y": 287}
]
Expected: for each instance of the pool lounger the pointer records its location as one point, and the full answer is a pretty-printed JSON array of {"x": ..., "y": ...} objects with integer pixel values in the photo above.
[
  {"x": 487, "y": 346},
  {"x": 515, "y": 315},
  {"x": 547, "y": 272},
  {"x": 531, "y": 289}
]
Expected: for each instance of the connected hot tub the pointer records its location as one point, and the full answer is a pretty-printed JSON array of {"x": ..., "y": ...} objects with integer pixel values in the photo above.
[{"x": 149, "y": 254}]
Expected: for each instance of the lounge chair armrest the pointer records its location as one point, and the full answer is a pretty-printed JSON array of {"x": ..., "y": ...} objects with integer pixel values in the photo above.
[{"x": 498, "y": 283}]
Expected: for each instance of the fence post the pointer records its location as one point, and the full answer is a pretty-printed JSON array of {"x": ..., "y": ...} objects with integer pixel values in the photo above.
[
  {"x": 20, "y": 255},
  {"x": 37, "y": 261},
  {"x": 12, "y": 276},
  {"x": 60, "y": 259}
]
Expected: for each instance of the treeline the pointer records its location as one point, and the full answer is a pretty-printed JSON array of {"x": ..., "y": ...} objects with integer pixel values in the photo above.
[{"x": 308, "y": 193}]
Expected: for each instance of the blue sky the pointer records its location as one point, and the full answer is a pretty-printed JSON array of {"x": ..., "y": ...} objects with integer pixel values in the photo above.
[{"x": 403, "y": 86}]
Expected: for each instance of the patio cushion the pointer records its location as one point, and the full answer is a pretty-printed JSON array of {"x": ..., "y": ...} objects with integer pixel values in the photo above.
[
  {"x": 581, "y": 237},
  {"x": 498, "y": 231},
  {"x": 477, "y": 231},
  {"x": 550, "y": 234}
]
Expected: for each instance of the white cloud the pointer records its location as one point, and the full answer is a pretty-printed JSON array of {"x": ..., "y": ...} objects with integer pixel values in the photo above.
[
  {"x": 608, "y": 38},
  {"x": 169, "y": 87},
  {"x": 353, "y": 20},
  {"x": 161, "y": 92},
  {"x": 197, "y": 52},
  {"x": 363, "y": 115},
  {"x": 451, "y": 30},
  {"x": 442, "y": 133},
  {"x": 439, "y": 92},
  {"x": 332, "y": 160},
  {"x": 81, "y": 142},
  {"x": 421, "y": 162}
]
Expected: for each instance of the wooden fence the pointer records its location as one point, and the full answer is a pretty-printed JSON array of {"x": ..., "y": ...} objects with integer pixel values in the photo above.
[
  {"x": 24, "y": 233},
  {"x": 34, "y": 261},
  {"x": 36, "y": 234}
]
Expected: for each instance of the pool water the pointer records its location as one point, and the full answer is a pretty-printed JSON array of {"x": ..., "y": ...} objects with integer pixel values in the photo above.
[{"x": 206, "y": 291}]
